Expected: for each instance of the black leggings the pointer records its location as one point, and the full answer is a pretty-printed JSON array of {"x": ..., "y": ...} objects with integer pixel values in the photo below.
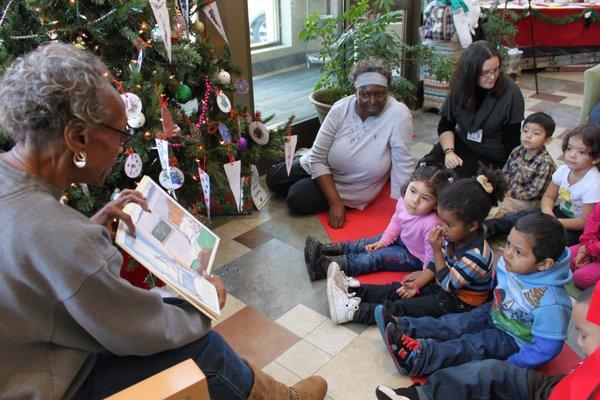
[{"x": 302, "y": 193}]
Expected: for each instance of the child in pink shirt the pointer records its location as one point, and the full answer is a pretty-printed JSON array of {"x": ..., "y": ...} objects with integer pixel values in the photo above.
[
  {"x": 585, "y": 256},
  {"x": 403, "y": 246}
]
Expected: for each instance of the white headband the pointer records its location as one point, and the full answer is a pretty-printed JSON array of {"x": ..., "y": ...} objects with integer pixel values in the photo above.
[{"x": 371, "y": 78}]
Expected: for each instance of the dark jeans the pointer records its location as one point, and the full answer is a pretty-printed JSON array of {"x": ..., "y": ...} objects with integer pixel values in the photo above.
[
  {"x": 303, "y": 195},
  {"x": 502, "y": 226},
  {"x": 395, "y": 257},
  {"x": 455, "y": 339},
  {"x": 227, "y": 375},
  {"x": 488, "y": 379},
  {"x": 431, "y": 301},
  {"x": 470, "y": 159}
]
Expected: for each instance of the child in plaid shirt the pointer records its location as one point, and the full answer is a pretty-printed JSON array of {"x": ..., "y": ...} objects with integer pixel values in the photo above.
[{"x": 529, "y": 167}]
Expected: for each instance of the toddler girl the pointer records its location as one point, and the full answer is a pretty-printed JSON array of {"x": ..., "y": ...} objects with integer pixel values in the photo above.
[
  {"x": 403, "y": 246},
  {"x": 585, "y": 257},
  {"x": 459, "y": 276}
]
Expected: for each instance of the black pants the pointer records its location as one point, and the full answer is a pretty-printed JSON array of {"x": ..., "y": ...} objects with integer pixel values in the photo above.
[
  {"x": 470, "y": 159},
  {"x": 432, "y": 301},
  {"x": 302, "y": 193},
  {"x": 502, "y": 226}
]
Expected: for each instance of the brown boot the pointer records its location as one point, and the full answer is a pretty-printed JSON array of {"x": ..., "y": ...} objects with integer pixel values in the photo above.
[{"x": 267, "y": 388}]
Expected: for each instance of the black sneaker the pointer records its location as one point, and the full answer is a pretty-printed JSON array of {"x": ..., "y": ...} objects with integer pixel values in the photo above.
[
  {"x": 312, "y": 249},
  {"x": 387, "y": 393},
  {"x": 401, "y": 347}
]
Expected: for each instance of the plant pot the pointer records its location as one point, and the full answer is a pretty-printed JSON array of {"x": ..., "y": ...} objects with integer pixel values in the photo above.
[{"x": 322, "y": 108}]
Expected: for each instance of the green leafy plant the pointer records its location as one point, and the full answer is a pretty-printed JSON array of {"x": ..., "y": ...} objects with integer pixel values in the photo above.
[
  {"x": 365, "y": 34},
  {"x": 499, "y": 28}
]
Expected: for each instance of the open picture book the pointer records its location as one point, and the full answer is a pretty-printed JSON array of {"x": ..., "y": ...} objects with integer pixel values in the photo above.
[{"x": 173, "y": 245}]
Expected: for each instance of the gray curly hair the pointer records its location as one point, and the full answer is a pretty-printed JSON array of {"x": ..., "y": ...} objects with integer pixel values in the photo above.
[
  {"x": 48, "y": 88},
  {"x": 371, "y": 64}
]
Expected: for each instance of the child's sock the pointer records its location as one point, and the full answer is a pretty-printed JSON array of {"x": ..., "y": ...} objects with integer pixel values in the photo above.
[
  {"x": 402, "y": 348},
  {"x": 387, "y": 393}
]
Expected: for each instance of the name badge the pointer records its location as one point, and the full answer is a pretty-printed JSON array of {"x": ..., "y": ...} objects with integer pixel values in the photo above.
[{"x": 476, "y": 136}]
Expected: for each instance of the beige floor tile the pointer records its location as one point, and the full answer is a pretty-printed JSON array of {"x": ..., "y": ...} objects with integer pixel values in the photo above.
[
  {"x": 368, "y": 355},
  {"x": 281, "y": 373},
  {"x": 301, "y": 320},
  {"x": 232, "y": 305},
  {"x": 330, "y": 337},
  {"x": 418, "y": 150},
  {"x": 237, "y": 227},
  {"x": 565, "y": 76},
  {"x": 527, "y": 93},
  {"x": 530, "y": 103},
  {"x": 228, "y": 251},
  {"x": 303, "y": 359},
  {"x": 571, "y": 99}
]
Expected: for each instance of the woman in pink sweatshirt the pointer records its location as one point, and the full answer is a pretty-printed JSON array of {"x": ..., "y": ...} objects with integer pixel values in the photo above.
[{"x": 585, "y": 256}]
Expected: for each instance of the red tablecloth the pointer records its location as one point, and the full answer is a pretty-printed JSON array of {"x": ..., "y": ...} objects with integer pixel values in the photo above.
[{"x": 554, "y": 35}]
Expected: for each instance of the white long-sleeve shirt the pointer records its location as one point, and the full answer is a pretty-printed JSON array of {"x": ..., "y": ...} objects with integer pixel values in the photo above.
[{"x": 361, "y": 155}]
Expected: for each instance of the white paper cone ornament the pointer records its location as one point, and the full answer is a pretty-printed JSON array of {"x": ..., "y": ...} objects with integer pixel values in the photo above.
[
  {"x": 259, "y": 133},
  {"x": 290, "y": 149},
  {"x": 233, "y": 172},
  {"x": 133, "y": 104},
  {"x": 136, "y": 122},
  {"x": 205, "y": 183},
  {"x": 133, "y": 165}
]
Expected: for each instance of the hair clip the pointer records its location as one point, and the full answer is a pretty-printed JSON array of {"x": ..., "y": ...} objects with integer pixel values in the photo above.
[
  {"x": 450, "y": 179},
  {"x": 422, "y": 164},
  {"x": 485, "y": 183}
]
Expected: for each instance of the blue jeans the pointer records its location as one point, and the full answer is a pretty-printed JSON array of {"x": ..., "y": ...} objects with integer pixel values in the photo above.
[
  {"x": 395, "y": 257},
  {"x": 488, "y": 379},
  {"x": 455, "y": 339},
  {"x": 227, "y": 375}
]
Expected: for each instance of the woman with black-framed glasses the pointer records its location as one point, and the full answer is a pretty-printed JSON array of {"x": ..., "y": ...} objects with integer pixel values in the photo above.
[{"x": 482, "y": 114}]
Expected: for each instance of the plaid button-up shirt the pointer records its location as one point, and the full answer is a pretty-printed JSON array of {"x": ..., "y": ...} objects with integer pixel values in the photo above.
[{"x": 528, "y": 179}]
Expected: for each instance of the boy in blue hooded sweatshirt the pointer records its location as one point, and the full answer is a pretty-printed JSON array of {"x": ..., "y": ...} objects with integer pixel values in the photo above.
[{"x": 525, "y": 324}]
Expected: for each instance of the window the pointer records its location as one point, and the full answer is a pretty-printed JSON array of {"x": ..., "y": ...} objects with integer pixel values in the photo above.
[{"x": 264, "y": 22}]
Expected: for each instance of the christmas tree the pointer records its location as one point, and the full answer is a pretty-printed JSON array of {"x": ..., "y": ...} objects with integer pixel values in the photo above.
[{"x": 184, "y": 92}]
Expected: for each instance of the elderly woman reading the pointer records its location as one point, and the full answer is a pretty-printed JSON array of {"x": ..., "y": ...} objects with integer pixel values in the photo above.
[
  {"x": 70, "y": 327},
  {"x": 364, "y": 138}
]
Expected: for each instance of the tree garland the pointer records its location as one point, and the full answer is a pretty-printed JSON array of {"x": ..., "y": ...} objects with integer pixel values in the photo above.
[{"x": 594, "y": 15}]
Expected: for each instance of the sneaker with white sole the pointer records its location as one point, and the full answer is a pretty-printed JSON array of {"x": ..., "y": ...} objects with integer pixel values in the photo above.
[
  {"x": 342, "y": 280},
  {"x": 341, "y": 306}
]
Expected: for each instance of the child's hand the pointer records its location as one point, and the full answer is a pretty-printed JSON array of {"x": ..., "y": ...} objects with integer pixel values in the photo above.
[
  {"x": 581, "y": 258},
  {"x": 375, "y": 246},
  {"x": 407, "y": 290},
  {"x": 435, "y": 238},
  {"x": 411, "y": 277}
]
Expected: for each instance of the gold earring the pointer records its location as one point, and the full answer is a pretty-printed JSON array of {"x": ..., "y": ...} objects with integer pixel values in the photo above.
[{"x": 80, "y": 159}]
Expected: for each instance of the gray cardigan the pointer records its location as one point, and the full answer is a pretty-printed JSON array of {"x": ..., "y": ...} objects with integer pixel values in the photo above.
[{"x": 62, "y": 300}]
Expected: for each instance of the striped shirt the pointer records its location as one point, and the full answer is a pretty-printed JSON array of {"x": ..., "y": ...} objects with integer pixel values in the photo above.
[{"x": 468, "y": 271}]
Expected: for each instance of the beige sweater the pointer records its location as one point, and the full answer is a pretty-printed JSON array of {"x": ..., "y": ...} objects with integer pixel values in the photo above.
[{"x": 62, "y": 300}]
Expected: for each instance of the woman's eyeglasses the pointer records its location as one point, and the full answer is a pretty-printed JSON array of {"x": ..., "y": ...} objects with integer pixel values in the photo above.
[
  {"x": 126, "y": 134},
  {"x": 490, "y": 72}
]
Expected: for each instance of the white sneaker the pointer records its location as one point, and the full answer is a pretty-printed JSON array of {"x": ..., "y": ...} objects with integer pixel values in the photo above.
[
  {"x": 341, "y": 306},
  {"x": 342, "y": 281}
]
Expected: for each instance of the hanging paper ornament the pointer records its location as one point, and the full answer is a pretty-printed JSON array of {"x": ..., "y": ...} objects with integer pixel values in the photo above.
[
  {"x": 166, "y": 117},
  {"x": 205, "y": 182},
  {"x": 190, "y": 107},
  {"x": 224, "y": 77},
  {"x": 259, "y": 133},
  {"x": 233, "y": 172},
  {"x": 241, "y": 86},
  {"x": 133, "y": 165},
  {"x": 242, "y": 144},
  {"x": 212, "y": 11},
  {"x": 223, "y": 102},
  {"x": 176, "y": 180},
  {"x": 161, "y": 13},
  {"x": 137, "y": 121},
  {"x": 225, "y": 134},
  {"x": 178, "y": 28},
  {"x": 133, "y": 104},
  {"x": 290, "y": 149},
  {"x": 156, "y": 34},
  {"x": 183, "y": 94},
  {"x": 198, "y": 27}
]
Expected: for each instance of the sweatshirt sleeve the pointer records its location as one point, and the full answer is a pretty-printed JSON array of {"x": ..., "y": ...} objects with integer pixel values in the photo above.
[
  {"x": 319, "y": 164},
  {"x": 590, "y": 233},
  {"x": 402, "y": 160},
  {"x": 394, "y": 228},
  {"x": 539, "y": 352},
  {"x": 131, "y": 321}
]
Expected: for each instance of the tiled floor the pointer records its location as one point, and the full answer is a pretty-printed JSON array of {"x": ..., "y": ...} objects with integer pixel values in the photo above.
[{"x": 279, "y": 320}]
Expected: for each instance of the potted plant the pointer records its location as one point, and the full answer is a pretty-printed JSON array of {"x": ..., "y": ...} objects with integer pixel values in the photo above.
[
  {"x": 364, "y": 34},
  {"x": 499, "y": 28},
  {"x": 436, "y": 71}
]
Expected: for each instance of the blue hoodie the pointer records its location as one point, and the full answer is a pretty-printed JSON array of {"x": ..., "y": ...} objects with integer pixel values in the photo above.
[{"x": 534, "y": 309}]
